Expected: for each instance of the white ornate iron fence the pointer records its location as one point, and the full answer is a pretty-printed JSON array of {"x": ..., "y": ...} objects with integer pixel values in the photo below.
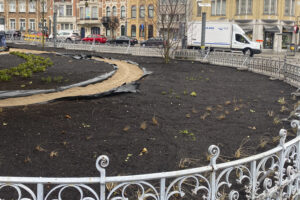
[{"x": 274, "y": 174}]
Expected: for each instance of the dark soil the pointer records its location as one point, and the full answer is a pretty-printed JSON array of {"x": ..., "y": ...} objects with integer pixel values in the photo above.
[
  {"x": 163, "y": 118},
  {"x": 65, "y": 71}
]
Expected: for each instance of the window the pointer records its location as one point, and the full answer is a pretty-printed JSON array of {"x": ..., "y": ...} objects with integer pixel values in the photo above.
[
  {"x": 142, "y": 11},
  {"x": 32, "y": 24},
  {"x": 22, "y": 25},
  {"x": 69, "y": 10},
  {"x": 150, "y": 11},
  {"x": 61, "y": 10},
  {"x": 108, "y": 11},
  {"x": 123, "y": 12},
  {"x": 108, "y": 32},
  {"x": 243, "y": 7},
  {"x": 94, "y": 12},
  {"x": 270, "y": 7},
  {"x": 114, "y": 10},
  {"x": 133, "y": 31},
  {"x": 87, "y": 12},
  {"x": 289, "y": 8},
  {"x": 199, "y": 10},
  {"x": 22, "y": 6},
  {"x": 133, "y": 11},
  {"x": 81, "y": 12},
  {"x": 32, "y": 6},
  {"x": 12, "y": 6},
  {"x": 12, "y": 24},
  {"x": 142, "y": 30},
  {"x": 122, "y": 30},
  {"x": 1, "y": 6},
  {"x": 44, "y": 3},
  {"x": 241, "y": 39},
  {"x": 218, "y": 7}
]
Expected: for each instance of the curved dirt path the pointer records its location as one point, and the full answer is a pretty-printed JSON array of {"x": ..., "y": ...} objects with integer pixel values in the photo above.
[{"x": 125, "y": 73}]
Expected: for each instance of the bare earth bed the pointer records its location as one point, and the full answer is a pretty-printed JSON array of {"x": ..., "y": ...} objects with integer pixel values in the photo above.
[
  {"x": 181, "y": 109},
  {"x": 65, "y": 71}
]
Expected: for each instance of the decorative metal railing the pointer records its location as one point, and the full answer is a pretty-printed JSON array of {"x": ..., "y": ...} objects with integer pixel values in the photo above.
[
  {"x": 269, "y": 175},
  {"x": 274, "y": 174}
]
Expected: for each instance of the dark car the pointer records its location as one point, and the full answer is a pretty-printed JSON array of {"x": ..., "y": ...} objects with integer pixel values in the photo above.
[
  {"x": 153, "y": 42},
  {"x": 123, "y": 40}
]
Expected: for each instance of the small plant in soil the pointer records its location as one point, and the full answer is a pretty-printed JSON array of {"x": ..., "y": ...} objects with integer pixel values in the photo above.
[
  {"x": 32, "y": 65},
  {"x": 281, "y": 100},
  {"x": 58, "y": 79},
  {"x": 190, "y": 134}
]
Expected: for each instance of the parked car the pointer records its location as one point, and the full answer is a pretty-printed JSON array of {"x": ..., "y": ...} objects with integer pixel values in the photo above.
[
  {"x": 153, "y": 42},
  {"x": 68, "y": 36},
  {"x": 124, "y": 40},
  {"x": 96, "y": 38},
  {"x": 13, "y": 33}
]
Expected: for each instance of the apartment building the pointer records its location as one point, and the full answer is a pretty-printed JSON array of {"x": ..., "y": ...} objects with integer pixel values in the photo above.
[
  {"x": 270, "y": 22},
  {"x": 66, "y": 14},
  {"x": 141, "y": 19},
  {"x": 25, "y": 15}
]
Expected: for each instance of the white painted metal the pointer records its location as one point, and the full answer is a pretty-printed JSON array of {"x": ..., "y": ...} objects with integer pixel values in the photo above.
[{"x": 274, "y": 174}]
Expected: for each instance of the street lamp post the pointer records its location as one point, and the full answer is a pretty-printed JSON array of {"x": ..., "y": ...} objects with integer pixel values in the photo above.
[{"x": 200, "y": 4}]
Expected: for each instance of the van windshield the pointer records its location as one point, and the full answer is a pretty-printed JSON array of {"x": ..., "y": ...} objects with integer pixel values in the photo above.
[{"x": 241, "y": 38}]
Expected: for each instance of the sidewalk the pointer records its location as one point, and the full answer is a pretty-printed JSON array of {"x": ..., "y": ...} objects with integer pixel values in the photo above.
[{"x": 290, "y": 56}]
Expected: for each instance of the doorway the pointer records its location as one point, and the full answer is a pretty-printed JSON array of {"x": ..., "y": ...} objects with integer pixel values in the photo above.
[
  {"x": 82, "y": 32},
  {"x": 95, "y": 30},
  {"x": 268, "y": 40}
]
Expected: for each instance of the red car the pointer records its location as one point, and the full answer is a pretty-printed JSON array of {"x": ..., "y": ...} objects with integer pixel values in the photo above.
[{"x": 96, "y": 38}]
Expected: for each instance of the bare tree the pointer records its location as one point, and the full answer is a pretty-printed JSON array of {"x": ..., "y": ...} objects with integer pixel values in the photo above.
[
  {"x": 111, "y": 23},
  {"x": 172, "y": 17}
]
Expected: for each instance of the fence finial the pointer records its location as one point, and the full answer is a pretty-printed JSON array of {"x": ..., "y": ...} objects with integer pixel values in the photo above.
[
  {"x": 296, "y": 124},
  {"x": 282, "y": 134},
  {"x": 214, "y": 152}
]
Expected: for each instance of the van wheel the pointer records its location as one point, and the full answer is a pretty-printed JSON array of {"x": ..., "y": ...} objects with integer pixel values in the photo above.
[{"x": 248, "y": 52}]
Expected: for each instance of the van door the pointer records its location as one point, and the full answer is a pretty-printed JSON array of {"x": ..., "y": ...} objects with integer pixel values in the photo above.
[{"x": 239, "y": 41}]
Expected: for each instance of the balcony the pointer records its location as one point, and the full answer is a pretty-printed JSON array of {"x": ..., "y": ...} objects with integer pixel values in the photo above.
[{"x": 88, "y": 20}]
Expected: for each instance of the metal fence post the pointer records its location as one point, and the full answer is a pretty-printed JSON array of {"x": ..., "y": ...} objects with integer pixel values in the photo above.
[
  {"x": 40, "y": 191},
  {"x": 162, "y": 188},
  {"x": 214, "y": 152},
  {"x": 253, "y": 181},
  {"x": 102, "y": 162}
]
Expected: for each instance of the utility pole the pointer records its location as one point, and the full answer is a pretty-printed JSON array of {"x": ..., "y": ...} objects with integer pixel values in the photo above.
[
  {"x": 203, "y": 31},
  {"x": 54, "y": 25},
  {"x": 43, "y": 23}
]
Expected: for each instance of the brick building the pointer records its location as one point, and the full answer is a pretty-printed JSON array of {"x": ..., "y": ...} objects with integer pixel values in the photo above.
[{"x": 25, "y": 15}]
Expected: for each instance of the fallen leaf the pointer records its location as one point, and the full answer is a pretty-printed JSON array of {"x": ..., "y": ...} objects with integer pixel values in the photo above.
[
  {"x": 252, "y": 127},
  {"x": 227, "y": 103},
  {"x": 126, "y": 128},
  {"x": 27, "y": 159},
  {"x": 40, "y": 149},
  {"x": 4, "y": 124},
  {"x": 253, "y": 111},
  {"x": 188, "y": 115},
  {"x": 53, "y": 154},
  {"x": 194, "y": 111},
  {"x": 22, "y": 86},
  {"x": 154, "y": 120},
  {"x": 89, "y": 137},
  {"x": 143, "y": 125},
  {"x": 68, "y": 116},
  {"x": 144, "y": 151},
  {"x": 30, "y": 82}
]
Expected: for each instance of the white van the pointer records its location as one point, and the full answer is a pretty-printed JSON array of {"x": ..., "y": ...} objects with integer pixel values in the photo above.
[{"x": 221, "y": 35}]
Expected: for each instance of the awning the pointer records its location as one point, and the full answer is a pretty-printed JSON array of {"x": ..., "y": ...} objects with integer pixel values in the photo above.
[
  {"x": 270, "y": 28},
  {"x": 288, "y": 29},
  {"x": 247, "y": 28}
]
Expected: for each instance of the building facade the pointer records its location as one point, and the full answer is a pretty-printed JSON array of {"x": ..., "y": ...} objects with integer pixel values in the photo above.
[
  {"x": 270, "y": 22},
  {"x": 142, "y": 19},
  {"x": 25, "y": 15},
  {"x": 66, "y": 14}
]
